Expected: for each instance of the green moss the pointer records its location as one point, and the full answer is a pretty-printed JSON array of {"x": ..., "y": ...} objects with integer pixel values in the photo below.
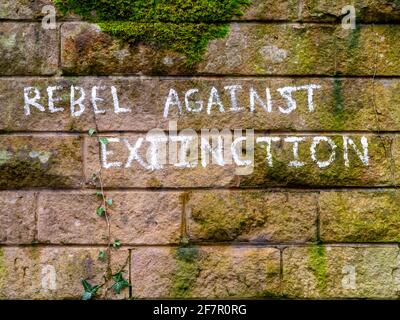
[
  {"x": 317, "y": 264},
  {"x": 186, "y": 273},
  {"x": 183, "y": 26}
]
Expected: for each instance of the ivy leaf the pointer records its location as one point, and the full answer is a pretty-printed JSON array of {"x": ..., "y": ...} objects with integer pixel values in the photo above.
[
  {"x": 89, "y": 290},
  {"x": 120, "y": 282},
  {"x": 99, "y": 194},
  {"x": 102, "y": 255},
  {"x": 103, "y": 140},
  {"x": 117, "y": 244},
  {"x": 110, "y": 202},
  {"x": 100, "y": 211},
  {"x": 91, "y": 132}
]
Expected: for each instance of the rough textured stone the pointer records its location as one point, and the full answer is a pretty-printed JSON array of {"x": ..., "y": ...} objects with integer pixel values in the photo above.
[
  {"x": 252, "y": 216},
  {"x": 341, "y": 272},
  {"x": 360, "y": 216},
  {"x": 17, "y": 217},
  {"x": 378, "y": 172},
  {"x": 366, "y": 10},
  {"x": 135, "y": 218},
  {"x": 340, "y": 104},
  {"x": 22, "y": 9},
  {"x": 137, "y": 176},
  {"x": 54, "y": 273},
  {"x": 33, "y": 161},
  {"x": 28, "y": 49},
  {"x": 138, "y": 95},
  {"x": 396, "y": 158},
  {"x": 260, "y": 10},
  {"x": 249, "y": 49},
  {"x": 271, "y": 10},
  {"x": 205, "y": 272}
]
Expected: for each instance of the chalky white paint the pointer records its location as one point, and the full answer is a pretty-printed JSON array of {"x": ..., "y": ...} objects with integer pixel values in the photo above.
[
  {"x": 216, "y": 150},
  {"x": 235, "y": 153},
  {"x": 105, "y": 153},
  {"x": 214, "y": 99},
  {"x": 268, "y": 141},
  {"x": 287, "y": 92},
  {"x": 117, "y": 108},
  {"x": 234, "y": 102},
  {"x": 295, "y": 140},
  {"x": 32, "y": 97},
  {"x": 133, "y": 153},
  {"x": 95, "y": 98},
  {"x": 156, "y": 153},
  {"x": 172, "y": 100},
  {"x": 32, "y": 101},
  {"x": 199, "y": 103},
  {"x": 364, "y": 157},
  {"x": 254, "y": 97},
  {"x": 313, "y": 149},
  {"x": 79, "y": 102},
  {"x": 188, "y": 151},
  {"x": 52, "y": 100}
]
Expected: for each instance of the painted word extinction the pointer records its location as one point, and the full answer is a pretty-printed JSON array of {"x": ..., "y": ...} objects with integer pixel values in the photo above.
[{"x": 157, "y": 149}]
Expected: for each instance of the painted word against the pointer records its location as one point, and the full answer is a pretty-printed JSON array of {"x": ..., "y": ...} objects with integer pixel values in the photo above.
[
  {"x": 189, "y": 150},
  {"x": 190, "y": 104}
]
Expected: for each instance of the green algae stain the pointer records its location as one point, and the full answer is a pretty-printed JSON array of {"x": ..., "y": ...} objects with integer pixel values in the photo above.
[
  {"x": 183, "y": 26},
  {"x": 317, "y": 264},
  {"x": 186, "y": 273}
]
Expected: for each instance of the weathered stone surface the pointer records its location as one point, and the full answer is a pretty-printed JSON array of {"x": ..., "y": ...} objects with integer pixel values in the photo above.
[
  {"x": 259, "y": 10},
  {"x": 341, "y": 272},
  {"x": 205, "y": 272},
  {"x": 135, "y": 175},
  {"x": 270, "y": 10},
  {"x": 55, "y": 273},
  {"x": 135, "y": 94},
  {"x": 257, "y": 216},
  {"x": 22, "y": 9},
  {"x": 121, "y": 169},
  {"x": 28, "y": 49},
  {"x": 283, "y": 172},
  {"x": 396, "y": 158},
  {"x": 359, "y": 216},
  {"x": 135, "y": 218},
  {"x": 366, "y": 10},
  {"x": 249, "y": 49},
  {"x": 17, "y": 217},
  {"x": 339, "y": 104},
  {"x": 40, "y": 161}
]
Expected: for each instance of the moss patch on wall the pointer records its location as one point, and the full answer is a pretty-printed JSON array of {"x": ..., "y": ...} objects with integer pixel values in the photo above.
[
  {"x": 183, "y": 26},
  {"x": 317, "y": 264},
  {"x": 186, "y": 273}
]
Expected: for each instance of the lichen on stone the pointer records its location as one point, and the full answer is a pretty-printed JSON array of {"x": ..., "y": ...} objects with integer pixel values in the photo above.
[{"x": 183, "y": 26}]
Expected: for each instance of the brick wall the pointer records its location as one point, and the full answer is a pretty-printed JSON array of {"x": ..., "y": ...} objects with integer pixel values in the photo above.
[{"x": 281, "y": 231}]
